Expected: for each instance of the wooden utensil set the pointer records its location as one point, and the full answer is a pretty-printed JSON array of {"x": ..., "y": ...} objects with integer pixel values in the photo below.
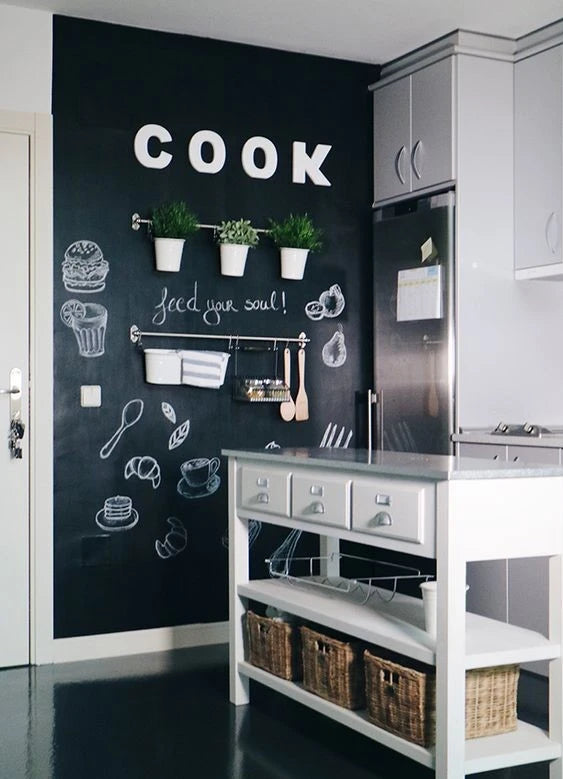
[{"x": 300, "y": 409}]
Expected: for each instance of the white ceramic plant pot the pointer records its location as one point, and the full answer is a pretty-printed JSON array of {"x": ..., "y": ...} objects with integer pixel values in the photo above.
[
  {"x": 293, "y": 263},
  {"x": 233, "y": 258},
  {"x": 168, "y": 252}
]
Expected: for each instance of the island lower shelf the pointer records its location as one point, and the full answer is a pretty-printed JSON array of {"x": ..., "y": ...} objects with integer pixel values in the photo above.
[
  {"x": 398, "y": 624},
  {"x": 527, "y": 744}
]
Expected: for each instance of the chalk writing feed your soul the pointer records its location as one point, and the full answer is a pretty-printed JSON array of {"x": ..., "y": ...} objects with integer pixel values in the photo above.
[{"x": 211, "y": 309}]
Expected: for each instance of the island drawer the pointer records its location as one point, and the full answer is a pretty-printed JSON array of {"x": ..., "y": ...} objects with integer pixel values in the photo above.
[
  {"x": 265, "y": 489},
  {"x": 398, "y": 509},
  {"x": 322, "y": 498}
]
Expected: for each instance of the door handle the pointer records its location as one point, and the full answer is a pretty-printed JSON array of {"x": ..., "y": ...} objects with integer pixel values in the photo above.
[
  {"x": 552, "y": 233},
  {"x": 399, "y": 164},
  {"x": 17, "y": 427},
  {"x": 415, "y": 158}
]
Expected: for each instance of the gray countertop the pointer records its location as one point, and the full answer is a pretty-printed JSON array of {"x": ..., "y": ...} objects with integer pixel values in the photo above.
[
  {"x": 405, "y": 464},
  {"x": 549, "y": 440}
]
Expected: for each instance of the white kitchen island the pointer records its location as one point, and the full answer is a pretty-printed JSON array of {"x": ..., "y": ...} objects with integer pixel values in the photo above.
[{"x": 453, "y": 509}]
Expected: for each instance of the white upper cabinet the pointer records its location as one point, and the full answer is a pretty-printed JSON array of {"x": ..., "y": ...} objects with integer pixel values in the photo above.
[
  {"x": 538, "y": 165},
  {"x": 413, "y": 131}
]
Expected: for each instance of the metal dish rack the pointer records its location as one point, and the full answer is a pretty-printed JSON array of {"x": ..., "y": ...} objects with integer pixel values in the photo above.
[{"x": 307, "y": 572}]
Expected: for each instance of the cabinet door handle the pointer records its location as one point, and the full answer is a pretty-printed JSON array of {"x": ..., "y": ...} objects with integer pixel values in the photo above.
[
  {"x": 399, "y": 164},
  {"x": 552, "y": 232},
  {"x": 415, "y": 159},
  {"x": 263, "y": 497}
]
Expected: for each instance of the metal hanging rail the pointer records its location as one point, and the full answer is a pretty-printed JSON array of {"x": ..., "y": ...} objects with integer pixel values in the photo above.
[
  {"x": 137, "y": 221},
  {"x": 135, "y": 334}
]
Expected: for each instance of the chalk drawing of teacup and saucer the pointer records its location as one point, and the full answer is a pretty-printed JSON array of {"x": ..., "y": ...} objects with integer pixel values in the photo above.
[
  {"x": 117, "y": 514},
  {"x": 199, "y": 477}
]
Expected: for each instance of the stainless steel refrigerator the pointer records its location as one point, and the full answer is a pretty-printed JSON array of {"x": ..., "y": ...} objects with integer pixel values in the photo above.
[{"x": 414, "y": 339}]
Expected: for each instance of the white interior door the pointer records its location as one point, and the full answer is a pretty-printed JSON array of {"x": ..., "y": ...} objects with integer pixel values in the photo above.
[{"x": 14, "y": 353}]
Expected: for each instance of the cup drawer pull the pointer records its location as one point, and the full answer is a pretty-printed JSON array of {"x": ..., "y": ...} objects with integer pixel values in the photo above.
[
  {"x": 317, "y": 507},
  {"x": 382, "y": 519},
  {"x": 263, "y": 497}
]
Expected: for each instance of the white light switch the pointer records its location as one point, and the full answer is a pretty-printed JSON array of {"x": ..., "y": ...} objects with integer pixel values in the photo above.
[{"x": 90, "y": 395}]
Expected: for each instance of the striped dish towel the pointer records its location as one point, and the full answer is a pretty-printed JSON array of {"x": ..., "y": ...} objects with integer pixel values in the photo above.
[{"x": 204, "y": 369}]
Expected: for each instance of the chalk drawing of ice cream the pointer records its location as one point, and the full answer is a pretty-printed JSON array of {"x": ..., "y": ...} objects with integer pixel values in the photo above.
[
  {"x": 334, "y": 351},
  {"x": 88, "y": 322},
  {"x": 117, "y": 514},
  {"x": 146, "y": 468},
  {"x": 84, "y": 268},
  {"x": 199, "y": 477},
  {"x": 175, "y": 541}
]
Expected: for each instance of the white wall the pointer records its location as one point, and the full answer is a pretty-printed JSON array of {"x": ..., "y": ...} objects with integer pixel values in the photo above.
[{"x": 26, "y": 46}]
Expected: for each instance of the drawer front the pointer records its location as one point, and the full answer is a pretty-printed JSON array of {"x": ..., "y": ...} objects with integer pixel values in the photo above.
[
  {"x": 317, "y": 497},
  {"x": 265, "y": 489},
  {"x": 402, "y": 510}
]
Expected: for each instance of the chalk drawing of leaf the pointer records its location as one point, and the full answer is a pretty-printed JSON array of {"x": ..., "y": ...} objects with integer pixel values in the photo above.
[
  {"x": 168, "y": 411},
  {"x": 179, "y": 435}
]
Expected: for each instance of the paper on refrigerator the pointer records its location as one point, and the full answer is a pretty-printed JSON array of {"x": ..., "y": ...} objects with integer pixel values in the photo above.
[{"x": 419, "y": 293}]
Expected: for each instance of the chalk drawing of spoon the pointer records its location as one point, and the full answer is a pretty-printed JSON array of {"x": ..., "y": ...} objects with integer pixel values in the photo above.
[{"x": 132, "y": 412}]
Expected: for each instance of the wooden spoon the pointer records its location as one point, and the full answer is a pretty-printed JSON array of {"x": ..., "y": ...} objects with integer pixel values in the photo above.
[
  {"x": 287, "y": 408},
  {"x": 301, "y": 401}
]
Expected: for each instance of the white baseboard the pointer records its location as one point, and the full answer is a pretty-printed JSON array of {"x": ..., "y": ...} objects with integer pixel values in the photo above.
[{"x": 138, "y": 642}]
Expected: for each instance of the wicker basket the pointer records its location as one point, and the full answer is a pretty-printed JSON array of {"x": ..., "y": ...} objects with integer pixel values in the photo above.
[
  {"x": 274, "y": 646},
  {"x": 402, "y": 699},
  {"x": 333, "y": 669}
]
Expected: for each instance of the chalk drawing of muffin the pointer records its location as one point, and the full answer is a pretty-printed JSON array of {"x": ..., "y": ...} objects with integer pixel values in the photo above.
[{"x": 84, "y": 267}]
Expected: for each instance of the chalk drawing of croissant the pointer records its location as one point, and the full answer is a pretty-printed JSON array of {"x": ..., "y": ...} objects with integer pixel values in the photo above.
[
  {"x": 145, "y": 468},
  {"x": 175, "y": 540}
]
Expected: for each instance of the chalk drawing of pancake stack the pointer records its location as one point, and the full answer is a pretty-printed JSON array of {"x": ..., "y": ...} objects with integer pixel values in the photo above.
[{"x": 117, "y": 514}]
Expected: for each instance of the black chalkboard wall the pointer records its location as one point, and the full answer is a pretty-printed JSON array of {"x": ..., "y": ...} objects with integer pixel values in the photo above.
[{"x": 110, "y": 81}]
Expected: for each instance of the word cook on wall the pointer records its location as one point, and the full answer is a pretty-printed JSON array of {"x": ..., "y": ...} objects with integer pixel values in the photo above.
[{"x": 303, "y": 164}]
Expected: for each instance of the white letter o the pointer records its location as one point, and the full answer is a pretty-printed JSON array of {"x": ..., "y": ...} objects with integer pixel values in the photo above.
[
  {"x": 270, "y": 154},
  {"x": 219, "y": 151}
]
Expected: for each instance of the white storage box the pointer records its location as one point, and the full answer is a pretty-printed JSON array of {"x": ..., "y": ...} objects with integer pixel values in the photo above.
[{"x": 163, "y": 366}]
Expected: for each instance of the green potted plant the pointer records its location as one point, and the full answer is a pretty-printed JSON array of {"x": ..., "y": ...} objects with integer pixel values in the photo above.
[
  {"x": 171, "y": 224},
  {"x": 235, "y": 237},
  {"x": 295, "y": 236}
]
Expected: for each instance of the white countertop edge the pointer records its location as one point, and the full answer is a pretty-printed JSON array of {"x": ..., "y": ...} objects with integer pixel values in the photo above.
[{"x": 402, "y": 464}]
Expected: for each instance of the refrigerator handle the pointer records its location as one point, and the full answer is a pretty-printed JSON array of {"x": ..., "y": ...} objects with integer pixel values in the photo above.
[{"x": 375, "y": 398}]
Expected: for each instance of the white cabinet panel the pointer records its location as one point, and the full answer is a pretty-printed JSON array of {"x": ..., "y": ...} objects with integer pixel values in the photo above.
[
  {"x": 317, "y": 497},
  {"x": 401, "y": 510},
  {"x": 432, "y": 137},
  {"x": 538, "y": 155},
  {"x": 265, "y": 489},
  {"x": 392, "y": 139}
]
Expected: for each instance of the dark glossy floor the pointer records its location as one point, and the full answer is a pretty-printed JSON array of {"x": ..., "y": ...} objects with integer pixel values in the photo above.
[{"x": 167, "y": 716}]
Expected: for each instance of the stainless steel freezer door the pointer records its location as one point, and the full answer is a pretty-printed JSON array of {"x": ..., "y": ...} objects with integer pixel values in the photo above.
[{"x": 414, "y": 330}]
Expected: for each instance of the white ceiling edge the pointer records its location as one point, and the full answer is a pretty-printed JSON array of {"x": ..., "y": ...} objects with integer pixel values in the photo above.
[{"x": 370, "y": 31}]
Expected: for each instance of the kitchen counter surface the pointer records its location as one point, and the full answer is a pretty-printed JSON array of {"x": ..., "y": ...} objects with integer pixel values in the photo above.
[
  {"x": 553, "y": 440},
  {"x": 405, "y": 464}
]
